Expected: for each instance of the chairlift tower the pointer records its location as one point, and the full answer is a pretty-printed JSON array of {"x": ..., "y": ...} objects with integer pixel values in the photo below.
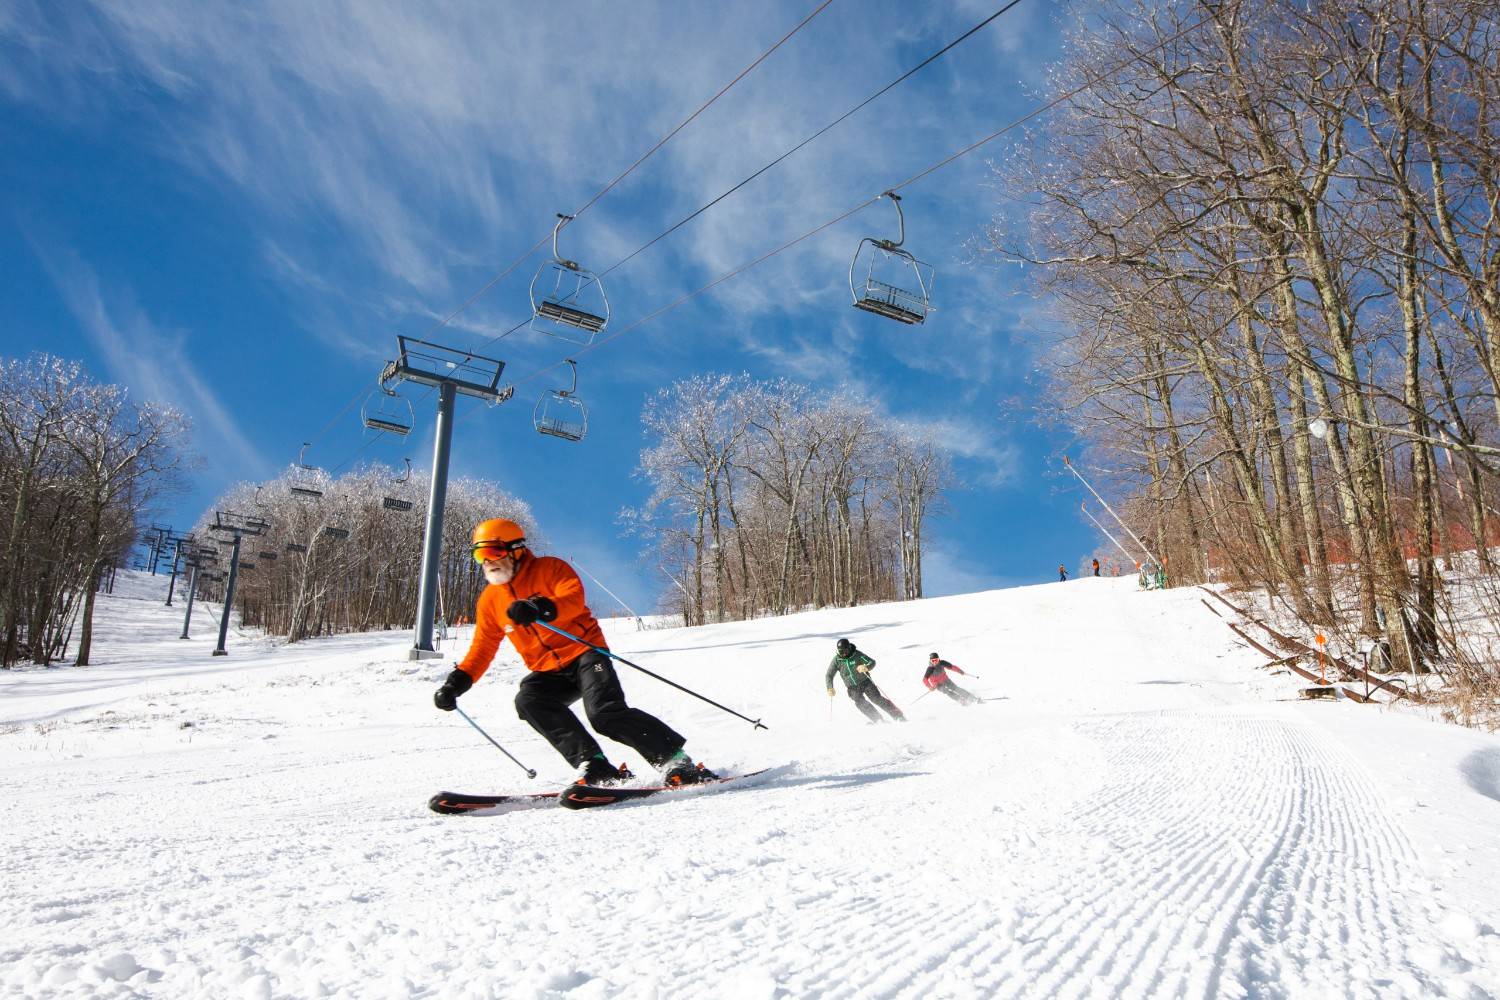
[
  {"x": 157, "y": 538},
  {"x": 180, "y": 544},
  {"x": 198, "y": 557},
  {"x": 451, "y": 372},
  {"x": 238, "y": 525}
]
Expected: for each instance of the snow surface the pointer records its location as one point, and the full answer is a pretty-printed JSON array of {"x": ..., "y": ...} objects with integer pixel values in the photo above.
[{"x": 1138, "y": 812}]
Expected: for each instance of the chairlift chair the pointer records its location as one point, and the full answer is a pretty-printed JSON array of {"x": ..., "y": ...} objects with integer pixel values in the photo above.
[
  {"x": 559, "y": 413},
  {"x": 567, "y": 301},
  {"x": 269, "y": 556},
  {"x": 307, "y": 485},
  {"x": 337, "y": 534},
  {"x": 387, "y": 410},
  {"x": 397, "y": 503},
  {"x": 887, "y": 280},
  {"x": 295, "y": 547}
]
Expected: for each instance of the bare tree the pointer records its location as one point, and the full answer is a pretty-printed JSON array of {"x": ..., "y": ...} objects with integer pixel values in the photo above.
[{"x": 768, "y": 497}]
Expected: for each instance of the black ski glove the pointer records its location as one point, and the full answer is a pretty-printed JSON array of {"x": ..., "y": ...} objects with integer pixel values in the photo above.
[
  {"x": 534, "y": 608},
  {"x": 446, "y": 697}
]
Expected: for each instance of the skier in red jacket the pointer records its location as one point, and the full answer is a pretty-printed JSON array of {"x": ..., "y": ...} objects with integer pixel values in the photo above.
[{"x": 936, "y": 678}]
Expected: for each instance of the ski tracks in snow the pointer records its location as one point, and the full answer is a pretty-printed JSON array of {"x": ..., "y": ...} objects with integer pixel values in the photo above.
[
  {"x": 1224, "y": 855},
  {"x": 1216, "y": 854}
]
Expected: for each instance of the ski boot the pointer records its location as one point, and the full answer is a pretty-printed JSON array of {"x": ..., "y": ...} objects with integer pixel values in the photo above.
[
  {"x": 679, "y": 770},
  {"x": 601, "y": 773}
]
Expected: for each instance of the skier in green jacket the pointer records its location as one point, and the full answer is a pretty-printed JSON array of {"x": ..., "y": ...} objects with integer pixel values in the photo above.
[{"x": 854, "y": 667}]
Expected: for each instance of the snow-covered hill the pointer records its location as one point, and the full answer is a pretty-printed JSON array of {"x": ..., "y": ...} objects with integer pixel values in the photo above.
[{"x": 1137, "y": 812}]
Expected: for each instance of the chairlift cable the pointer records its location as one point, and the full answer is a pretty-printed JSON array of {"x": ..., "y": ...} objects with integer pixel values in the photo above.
[
  {"x": 789, "y": 152},
  {"x": 686, "y": 121},
  {"x": 628, "y": 170},
  {"x": 913, "y": 179},
  {"x": 587, "y": 205},
  {"x": 820, "y": 132}
]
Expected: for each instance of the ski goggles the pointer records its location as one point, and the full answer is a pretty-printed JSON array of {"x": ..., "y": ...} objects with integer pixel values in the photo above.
[{"x": 496, "y": 550}]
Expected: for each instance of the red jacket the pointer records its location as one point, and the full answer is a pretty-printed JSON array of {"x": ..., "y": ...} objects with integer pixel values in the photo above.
[
  {"x": 936, "y": 674},
  {"x": 544, "y": 576}
]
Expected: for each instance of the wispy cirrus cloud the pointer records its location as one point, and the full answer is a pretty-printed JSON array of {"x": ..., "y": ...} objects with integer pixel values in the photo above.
[
  {"x": 153, "y": 362},
  {"x": 407, "y": 154}
]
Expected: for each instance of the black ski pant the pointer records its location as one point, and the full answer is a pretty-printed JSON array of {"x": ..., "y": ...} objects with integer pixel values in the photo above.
[
  {"x": 866, "y": 696},
  {"x": 545, "y": 701},
  {"x": 957, "y": 693}
]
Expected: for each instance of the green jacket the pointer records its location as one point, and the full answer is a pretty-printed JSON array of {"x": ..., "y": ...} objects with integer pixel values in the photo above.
[{"x": 846, "y": 667}]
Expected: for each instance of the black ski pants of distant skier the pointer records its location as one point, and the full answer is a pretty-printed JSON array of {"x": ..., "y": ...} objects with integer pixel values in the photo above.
[
  {"x": 866, "y": 696},
  {"x": 957, "y": 693},
  {"x": 545, "y": 701}
]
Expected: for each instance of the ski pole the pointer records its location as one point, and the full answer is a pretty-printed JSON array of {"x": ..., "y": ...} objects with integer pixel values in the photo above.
[
  {"x": 529, "y": 772},
  {"x": 616, "y": 656}
]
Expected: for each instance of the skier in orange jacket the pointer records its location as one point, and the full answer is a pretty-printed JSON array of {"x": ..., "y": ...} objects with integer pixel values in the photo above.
[{"x": 525, "y": 589}]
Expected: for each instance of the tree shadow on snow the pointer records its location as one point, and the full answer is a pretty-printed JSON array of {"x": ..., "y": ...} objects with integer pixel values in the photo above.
[{"x": 1481, "y": 769}]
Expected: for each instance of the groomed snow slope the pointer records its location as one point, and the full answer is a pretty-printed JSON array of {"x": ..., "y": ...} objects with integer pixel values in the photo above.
[{"x": 1139, "y": 813}]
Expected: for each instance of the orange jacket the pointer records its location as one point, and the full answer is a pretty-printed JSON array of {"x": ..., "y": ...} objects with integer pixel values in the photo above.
[{"x": 542, "y": 650}]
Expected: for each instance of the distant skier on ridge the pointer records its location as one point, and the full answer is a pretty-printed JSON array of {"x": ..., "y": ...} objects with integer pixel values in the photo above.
[
  {"x": 562, "y": 671},
  {"x": 854, "y": 667}
]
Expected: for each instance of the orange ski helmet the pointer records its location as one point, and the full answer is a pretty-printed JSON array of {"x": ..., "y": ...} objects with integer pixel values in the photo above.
[{"x": 497, "y": 537}]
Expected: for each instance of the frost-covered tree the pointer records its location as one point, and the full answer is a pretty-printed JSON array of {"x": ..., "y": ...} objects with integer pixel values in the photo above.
[
  {"x": 350, "y": 560},
  {"x": 766, "y": 497}
]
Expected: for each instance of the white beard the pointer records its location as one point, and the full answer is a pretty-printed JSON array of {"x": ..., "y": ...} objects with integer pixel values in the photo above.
[{"x": 501, "y": 574}]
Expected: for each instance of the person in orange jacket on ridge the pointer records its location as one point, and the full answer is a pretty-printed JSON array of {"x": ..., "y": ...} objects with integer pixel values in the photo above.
[{"x": 524, "y": 589}]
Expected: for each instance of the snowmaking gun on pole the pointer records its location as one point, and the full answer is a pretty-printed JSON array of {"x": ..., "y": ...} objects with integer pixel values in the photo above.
[
  {"x": 1129, "y": 557},
  {"x": 1105, "y": 504},
  {"x": 617, "y": 657}
]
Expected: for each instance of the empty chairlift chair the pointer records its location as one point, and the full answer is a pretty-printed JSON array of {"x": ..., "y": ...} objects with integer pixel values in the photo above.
[
  {"x": 560, "y": 414},
  {"x": 307, "y": 480},
  {"x": 398, "y": 502},
  {"x": 567, "y": 301},
  {"x": 887, "y": 280},
  {"x": 386, "y": 410}
]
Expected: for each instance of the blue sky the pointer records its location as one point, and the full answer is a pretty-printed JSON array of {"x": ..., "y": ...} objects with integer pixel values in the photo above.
[{"x": 236, "y": 210}]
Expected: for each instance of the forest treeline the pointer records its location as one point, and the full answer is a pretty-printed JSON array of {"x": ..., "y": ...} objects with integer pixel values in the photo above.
[
  {"x": 1272, "y": 233},
  {"x": 342, "y": 554},
  {"x": 767, "y": 496},
  {"x": 81, "y": 465}
]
